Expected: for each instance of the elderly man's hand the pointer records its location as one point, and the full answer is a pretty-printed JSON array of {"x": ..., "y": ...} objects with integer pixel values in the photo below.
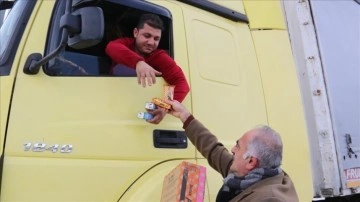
[
  {"x": 146, "y": 74},
  {"x": 178, "y": 110},
  {"x": 158, "y": 114}
]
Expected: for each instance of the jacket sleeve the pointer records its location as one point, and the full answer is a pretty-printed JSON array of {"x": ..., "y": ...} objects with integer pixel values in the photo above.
[
  {"x": 208, "y": 145},
  {"x": 171, "y": 73},
  {"x": 120, "y": 53}
]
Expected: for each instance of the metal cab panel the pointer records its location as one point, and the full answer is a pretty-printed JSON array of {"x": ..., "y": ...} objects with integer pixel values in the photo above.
[
  {"x": 279, "y": 81},
  {"x": 265, "y": 14}
]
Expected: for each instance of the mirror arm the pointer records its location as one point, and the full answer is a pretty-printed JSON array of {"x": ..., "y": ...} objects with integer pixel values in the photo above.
[{"x": 35, "y": 66}]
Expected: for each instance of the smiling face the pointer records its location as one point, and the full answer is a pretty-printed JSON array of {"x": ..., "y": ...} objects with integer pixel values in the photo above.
[
  {"x": 243, "y": 164},
  {"x": 147, "y": 39}
]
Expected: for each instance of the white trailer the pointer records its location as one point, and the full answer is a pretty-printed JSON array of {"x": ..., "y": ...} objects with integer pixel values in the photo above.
[{"x": 325, "y": 39}]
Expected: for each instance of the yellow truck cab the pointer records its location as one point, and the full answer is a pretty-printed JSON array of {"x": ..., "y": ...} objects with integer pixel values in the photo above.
[{"x": 69, "y": 129}]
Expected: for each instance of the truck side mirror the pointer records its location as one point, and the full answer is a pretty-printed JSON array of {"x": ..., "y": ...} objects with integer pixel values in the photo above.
[
  {"x": 85, "y": 27},
  {"x": 81, "y": 29}
]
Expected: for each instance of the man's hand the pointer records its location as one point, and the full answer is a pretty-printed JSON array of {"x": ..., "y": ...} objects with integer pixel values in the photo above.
[
  {"x": 146, "y": 74},
  {"x": 178, "y": 110},
  {"x": 158, "y": 114}
]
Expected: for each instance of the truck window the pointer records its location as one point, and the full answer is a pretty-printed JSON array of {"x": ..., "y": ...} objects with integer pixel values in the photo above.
[
  {"x": 120, "y": 20},
  {"x": 12, "y": 27}
]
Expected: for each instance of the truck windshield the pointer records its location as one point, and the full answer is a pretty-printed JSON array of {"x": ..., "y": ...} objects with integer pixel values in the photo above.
[
  {"x": 10, "y": 18},
  {"x": 12, "y": 24}
]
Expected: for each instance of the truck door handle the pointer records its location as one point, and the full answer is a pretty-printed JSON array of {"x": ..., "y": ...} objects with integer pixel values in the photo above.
[{"x": 169, "y": 139}]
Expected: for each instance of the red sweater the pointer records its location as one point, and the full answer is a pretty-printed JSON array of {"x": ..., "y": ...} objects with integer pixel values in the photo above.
[{"x": 121, "y": 51}]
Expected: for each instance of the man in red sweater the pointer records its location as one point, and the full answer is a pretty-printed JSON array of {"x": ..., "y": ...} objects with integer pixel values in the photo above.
[{"x": 141, "y": 54}]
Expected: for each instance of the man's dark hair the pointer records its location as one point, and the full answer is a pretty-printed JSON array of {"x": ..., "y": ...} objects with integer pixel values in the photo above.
[{"x": 152, "y": 20}]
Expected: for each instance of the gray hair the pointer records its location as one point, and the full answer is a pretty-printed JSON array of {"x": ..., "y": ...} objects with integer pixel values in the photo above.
[{"x": 266, "y": 145}]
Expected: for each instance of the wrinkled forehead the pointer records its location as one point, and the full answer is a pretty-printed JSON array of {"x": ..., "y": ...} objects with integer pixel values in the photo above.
[
  {"x": 242, "y": 140},
  {"x": 247, "y": 136}
]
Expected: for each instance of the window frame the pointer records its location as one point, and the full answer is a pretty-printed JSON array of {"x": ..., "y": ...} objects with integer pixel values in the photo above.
[{"x": 53, "y": 68}]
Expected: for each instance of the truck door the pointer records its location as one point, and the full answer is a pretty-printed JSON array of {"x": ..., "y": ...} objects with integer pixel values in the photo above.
[
  {"x": 227, "y": 93},
  {"x": 73, "y": 132}
]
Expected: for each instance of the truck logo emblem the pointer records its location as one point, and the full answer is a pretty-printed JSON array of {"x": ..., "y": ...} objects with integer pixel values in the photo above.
[{"x": 40, "y": 147}]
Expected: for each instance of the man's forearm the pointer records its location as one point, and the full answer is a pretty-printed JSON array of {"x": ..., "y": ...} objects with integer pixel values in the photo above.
[
  {"x": 181, "y": 90},
  {"x": 121, "y": 54},
  {"x": 207, "y": 144}
]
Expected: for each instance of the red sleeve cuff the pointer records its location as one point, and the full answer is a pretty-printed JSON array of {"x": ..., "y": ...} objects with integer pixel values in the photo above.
[{"x": 188, "y": 120}]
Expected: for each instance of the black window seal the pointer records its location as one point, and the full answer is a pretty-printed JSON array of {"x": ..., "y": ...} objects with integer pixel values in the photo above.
[
  {"x": 145, "y": 6},
  {"x": 217, "y": 10},
  {"x": 6, "y": 5}
]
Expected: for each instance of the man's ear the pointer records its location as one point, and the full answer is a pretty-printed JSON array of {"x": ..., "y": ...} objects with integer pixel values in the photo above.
[
  {"x": 135, "y": 32},
  {"x": 252, "y": 163}
]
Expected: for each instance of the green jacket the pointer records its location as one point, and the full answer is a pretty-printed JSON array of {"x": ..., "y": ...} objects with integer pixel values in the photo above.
[{"x": 273, "y": 189}]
